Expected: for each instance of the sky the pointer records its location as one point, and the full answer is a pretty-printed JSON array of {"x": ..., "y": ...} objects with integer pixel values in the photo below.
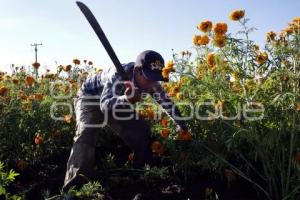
[{"x": 131, "y": 26}]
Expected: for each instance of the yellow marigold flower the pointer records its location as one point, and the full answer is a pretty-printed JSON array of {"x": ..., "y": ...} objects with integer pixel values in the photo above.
[
  {"x": 29, "y": 81},
  {"x": 170, "y": 64},
  {"x": 250, "y": 84},
  {"x": 27, "y": 105},
  {"x": 36, "y": 65},
  {"x": 205, "y": 26},
  {"x": 262, "y": 57},
  {"x": 204, "y": 40},
  {"x": 271, "y": 36},
  {"x": 76, "y": 61},
  {"x": 219, "y": 105},
  {"x": 3, "y": 91},
  {"x": 196, "y": 40},
  {"x": 211, "y": 59},
  {"x": 296, "y": 20},
  {"x": 237, "y": 15},
  {"x": 220, "y": 28},
  {"x": 166, "y": 72},
  {"x": 219, "y": 40}
]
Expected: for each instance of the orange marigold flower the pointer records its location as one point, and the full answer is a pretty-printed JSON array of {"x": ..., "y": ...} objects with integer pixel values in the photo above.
[
  {"x": 68, "y": 118},
  {"x": 130, "y": 156},
  {"x": 22, "y": 95},
  {"x": 204, "y": 40},
  {"x": 237, "y": 15},
  {"x": 219, "y": 40},
  {"x": 38, "y": 96},
  {"x": 157, "y": 147},
  {"x": 262, "y": 57},
  {"x": 196, "y": 40},
  {"x": 164, "y": 122},
  {"x": 3, "y": 91},
  {"x": 184, "y": 136},
  {"x": 76, "y": 61},
  {"x": 271, "y": 36},
  {"x": 205, "y": 26},
  {"x": 67, "y": 68},
  {"x": 29, "y": 80},
  {"x": 211, "y": 59},
  {"x": 220, "y": 28},
  {"x": 169, "y": 64},
  {"x": 38, "y": 140},
  {"x": 165, "y": 72},
  {"x": 298, "y": 107},
  {"x": 165, "y": 132},
  {"x": 36, "y": 65}
]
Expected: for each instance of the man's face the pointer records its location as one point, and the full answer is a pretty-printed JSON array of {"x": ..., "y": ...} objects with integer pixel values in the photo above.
[{"x": 144, "y": 84}]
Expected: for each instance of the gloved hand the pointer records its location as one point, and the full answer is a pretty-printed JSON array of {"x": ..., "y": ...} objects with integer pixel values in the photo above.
[{"x": 133, "y": 94}]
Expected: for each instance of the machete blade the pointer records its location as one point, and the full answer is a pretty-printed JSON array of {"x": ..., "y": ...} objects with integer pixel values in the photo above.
[{"x": 99, "y": 32}]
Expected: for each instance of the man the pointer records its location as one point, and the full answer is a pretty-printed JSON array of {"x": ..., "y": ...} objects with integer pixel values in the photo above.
[{"x": 105, "y": 99}]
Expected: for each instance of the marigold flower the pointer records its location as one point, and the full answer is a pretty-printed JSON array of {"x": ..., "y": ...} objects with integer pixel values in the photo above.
[
  {"x": 26, "y": 105},
  {"x": 36, "y": 65},
  {"x": 165, "y": 72},
  {"x": 165, "y": 132},
  {"x": 38, "y": 96},
  {"x": 298, "y": 107},
  {"x": 262, "y": 57},
  {"x": 271, "y": 36},
  {"x": 22, "y": 95},
  {"x": 68, "y": 118},
  {"x": 219, "y": 105},
  {"x": 67, "y": 68},
  {"x": 204, "y": 40},
  {"x": 76, "y": 61},
  {"x": 130, "y": 156},
  {"x": 205, "y": 26},
  {"x": 164, "y": 122},
  {"x": 184, "y": 136},
  {"x": 169, "y": 64},
  {"x": 196, "y": 40},
  {"x": 219, "y": 40},
  {"x": 237, "y": 15},
  {"x": 3, "y": 91},
  {"x": 38, "y": 140},
  {"x": 211, "y": 59},
  {"x": 157, "y": 147},
  {"x": 220, "y": 28},
  {"x": 29, "y": 80},
  {"x": 296, "y": 20}
]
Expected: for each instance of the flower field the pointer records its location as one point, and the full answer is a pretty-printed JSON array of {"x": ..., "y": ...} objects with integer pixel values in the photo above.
[{"x": 242, "y": 106}]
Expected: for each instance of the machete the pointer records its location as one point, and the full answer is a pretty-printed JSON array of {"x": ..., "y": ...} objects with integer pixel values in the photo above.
[{"x": 99, "y": 32}]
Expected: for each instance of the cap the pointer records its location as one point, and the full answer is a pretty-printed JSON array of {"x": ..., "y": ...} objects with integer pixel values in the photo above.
[{"x": 152, "y": 64}]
